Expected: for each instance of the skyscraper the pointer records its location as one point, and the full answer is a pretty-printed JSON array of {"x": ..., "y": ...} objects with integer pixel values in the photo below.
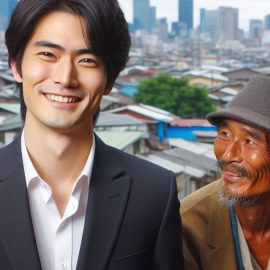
[
  {"x": 162, "y": 27},
  {"x": 185, "y": 14},
  {"x": 255, "y": 29},
  {"x": 143, "y": 15},
  {"x": 267, "y": 22},
  {"x": 6, "y": 9},
  {"x": 209, "y": 22},
  {"x": 228, "y": 23},
  {"x": 202, "y": 20}
]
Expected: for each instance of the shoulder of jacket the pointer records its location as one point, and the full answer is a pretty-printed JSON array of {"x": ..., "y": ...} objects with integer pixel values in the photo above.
[{"x": 200, "y": 197}]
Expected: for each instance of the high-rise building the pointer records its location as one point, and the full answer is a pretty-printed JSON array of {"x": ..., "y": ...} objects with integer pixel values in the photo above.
[
  {"x": 209, "y": 22},
  {"x": 144, "y": 16},
  {"x": 255, "y": 29},
  {"x": 6, "y": 9},
  {"x": 202, "y": 20},
  {"x": 153, "y": 20},
  {"x": 162, "y": 27},
  {"x": 185, "y": 14},
  {"x": 228, "y": 23},
  {"x": 267, "y": 22}
]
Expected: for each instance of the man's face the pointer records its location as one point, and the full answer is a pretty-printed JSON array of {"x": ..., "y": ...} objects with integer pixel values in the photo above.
[
  {"x": 63, "y": 81},
  {"x": 243, "y": 154}
]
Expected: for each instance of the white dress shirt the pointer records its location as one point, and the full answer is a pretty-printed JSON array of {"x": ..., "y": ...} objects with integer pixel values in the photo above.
[{"x": 58, "y": 238}]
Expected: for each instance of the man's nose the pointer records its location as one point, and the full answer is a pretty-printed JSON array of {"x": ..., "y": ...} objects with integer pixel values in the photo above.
[
  {"x": 232, "y": 152},
  {"x": 65, "y": 73}
]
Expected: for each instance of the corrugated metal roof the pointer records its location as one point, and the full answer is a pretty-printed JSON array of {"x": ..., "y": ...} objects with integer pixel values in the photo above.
[
  {"x": 2, "y": 119},
  {"x": 194, "y": 147},
  {"x": 149, "y": 111},
  {"x": 11, "y": 107},
  {"x": 106, "y": 119},
  {"x": 127, "y": 70},
  {"x": 107, "y": 101},
  {"x": 201, "y": 161},
  {"x": 206, "y": 74},
  {"x": 189, "y": 168},
  {"x": 194, "y": 171},
  {"x": 229, "y": 91},
  {"x": 165, "y": 163},
  {"x": 13, "y": 122},
  {"x": 120, "y": 139},
  {"x": 190, "y": 123}
]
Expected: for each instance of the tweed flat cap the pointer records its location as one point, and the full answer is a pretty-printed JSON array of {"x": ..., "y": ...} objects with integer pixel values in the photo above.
[{"x": 250, "y": 106}]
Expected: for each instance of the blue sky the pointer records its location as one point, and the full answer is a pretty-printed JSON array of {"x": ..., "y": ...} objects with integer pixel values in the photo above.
[{"x": 248, "y": 9}]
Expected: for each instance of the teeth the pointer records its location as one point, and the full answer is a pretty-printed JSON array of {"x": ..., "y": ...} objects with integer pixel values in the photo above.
[{"x": 62, "y": 99}]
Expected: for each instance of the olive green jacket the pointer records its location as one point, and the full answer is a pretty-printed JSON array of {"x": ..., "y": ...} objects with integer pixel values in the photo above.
[{"x": 207, "y": 236}]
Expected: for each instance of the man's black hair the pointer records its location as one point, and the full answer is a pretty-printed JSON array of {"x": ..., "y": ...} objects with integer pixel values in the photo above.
[{"x": 107, "y": 30}]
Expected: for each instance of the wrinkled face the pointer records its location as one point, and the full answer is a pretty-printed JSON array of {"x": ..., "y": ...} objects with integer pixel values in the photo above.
[
  {"x": 63, "y": 80},
  {"x": 244, "y": 157}
]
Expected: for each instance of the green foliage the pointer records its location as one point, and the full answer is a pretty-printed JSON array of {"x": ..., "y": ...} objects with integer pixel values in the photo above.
[{"x": 175, "y": 95}]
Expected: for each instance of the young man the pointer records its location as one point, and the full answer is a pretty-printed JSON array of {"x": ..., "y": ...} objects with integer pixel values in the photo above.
[
  {"x": 67, "y": 200},
  {"x": 226, "y": 224}
]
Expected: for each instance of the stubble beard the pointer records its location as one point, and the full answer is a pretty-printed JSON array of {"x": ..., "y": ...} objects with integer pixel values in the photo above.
[{"x": 231, "y": 200}]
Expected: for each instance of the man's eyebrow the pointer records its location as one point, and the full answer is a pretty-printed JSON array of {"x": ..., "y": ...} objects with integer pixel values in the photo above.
[
  {"x": 49, "y": 44},
  {"x": 255, "y": 133},
  {"x": 45, "y": 43}
]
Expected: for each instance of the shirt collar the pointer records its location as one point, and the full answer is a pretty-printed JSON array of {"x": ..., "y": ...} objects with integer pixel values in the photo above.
[{"x": 31, "y": 173}]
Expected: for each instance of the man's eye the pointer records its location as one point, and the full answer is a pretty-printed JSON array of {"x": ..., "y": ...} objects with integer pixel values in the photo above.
[
  {"x": 88, "y": 61},
  {"x": 250, "y": 142},
  {"x": 46, "y": 54},
  {"x": 223, "y": 133}
]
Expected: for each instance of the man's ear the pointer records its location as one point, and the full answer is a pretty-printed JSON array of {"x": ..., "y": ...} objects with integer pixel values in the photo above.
[
  {"x": 17, "y": 76},
  {"x": 107, "y": 91}
]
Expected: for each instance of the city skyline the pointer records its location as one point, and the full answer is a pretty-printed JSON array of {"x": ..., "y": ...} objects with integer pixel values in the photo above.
[{"x": 248, "y": 9}]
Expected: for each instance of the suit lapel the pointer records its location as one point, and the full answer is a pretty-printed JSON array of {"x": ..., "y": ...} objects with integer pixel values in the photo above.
[
  {"x": 16, "y": 230},
  {"x": 108, "y": 196},
  {"x": 219, "y": 237}
]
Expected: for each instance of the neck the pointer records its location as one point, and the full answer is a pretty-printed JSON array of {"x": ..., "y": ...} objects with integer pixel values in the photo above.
[
  {"x": 255, "y": 219},
  {"x": 58, "y": 156}
]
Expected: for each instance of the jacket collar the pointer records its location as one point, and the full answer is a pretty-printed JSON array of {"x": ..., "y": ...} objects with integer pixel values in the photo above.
[{"x": 108, "y": 196}]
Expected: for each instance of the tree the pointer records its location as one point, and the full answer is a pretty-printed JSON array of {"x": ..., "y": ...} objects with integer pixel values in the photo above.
[{"x": 175, "y": 95}]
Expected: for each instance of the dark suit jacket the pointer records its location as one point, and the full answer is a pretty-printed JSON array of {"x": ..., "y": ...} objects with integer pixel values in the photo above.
[{"x": 131, "y": 223}]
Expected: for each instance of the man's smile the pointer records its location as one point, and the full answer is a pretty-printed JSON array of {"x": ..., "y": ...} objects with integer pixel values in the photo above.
[{"x": 62, "y": 99}]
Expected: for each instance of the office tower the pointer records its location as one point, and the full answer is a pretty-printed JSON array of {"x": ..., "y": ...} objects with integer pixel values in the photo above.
[
  {"x": 153, "y": 20},
  {"x": 185, "y": 14},
  {"x": 6, "y": 8},
  {"x": 162, "y": 27},
  {"x": 255, "y": 29},
  {"x": 144, "y": 16},
  {"x": 176, "y": 28},
  {"x": 267, "y": 22},
  {"x": 202, "y": 20},
  {"x": 228, "y": 23},
  {"x": 209, "y": 22}
]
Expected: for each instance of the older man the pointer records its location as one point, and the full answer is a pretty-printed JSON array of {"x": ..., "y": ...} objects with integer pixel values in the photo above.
[{"x": 226, "y": 224}]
